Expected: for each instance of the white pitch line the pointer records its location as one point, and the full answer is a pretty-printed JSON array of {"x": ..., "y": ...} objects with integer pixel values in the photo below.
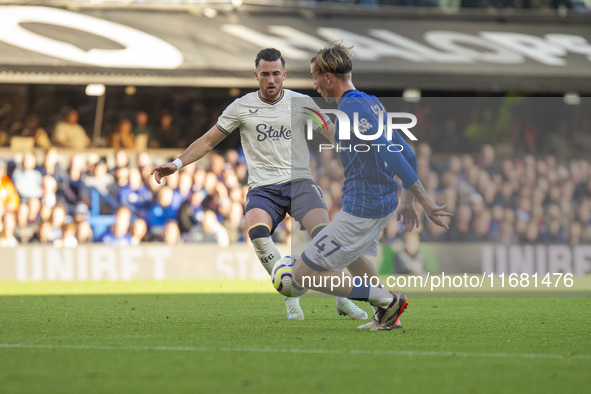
[{"x": 408, "y": 353}]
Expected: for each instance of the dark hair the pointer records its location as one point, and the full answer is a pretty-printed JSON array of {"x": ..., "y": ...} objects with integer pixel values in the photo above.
[{"x": 270, "y": 55}]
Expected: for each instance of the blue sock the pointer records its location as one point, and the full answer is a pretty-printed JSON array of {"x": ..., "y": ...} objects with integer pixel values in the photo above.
[{"x": 360, "y": 293}]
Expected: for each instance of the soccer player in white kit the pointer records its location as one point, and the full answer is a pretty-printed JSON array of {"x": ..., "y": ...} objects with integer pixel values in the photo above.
[{"x": 279, "y": 182}]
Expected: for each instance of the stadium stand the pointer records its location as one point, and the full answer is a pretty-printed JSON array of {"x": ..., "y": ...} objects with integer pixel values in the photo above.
[
  {"x": 508, "y": 180},
  {"x": 522, "y": 197}
]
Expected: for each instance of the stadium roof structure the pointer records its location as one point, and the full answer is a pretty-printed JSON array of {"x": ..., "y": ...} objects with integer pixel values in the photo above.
[{"x": 126, "y": 46}]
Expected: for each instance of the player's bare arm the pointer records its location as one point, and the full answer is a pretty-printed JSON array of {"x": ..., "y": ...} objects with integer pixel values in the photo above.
[
  {"x": 407, "y": 211},
  {"x": 194, "y": 152},
  {"x": 328, "y": 133},
  {"x": 433, "y": 211}
]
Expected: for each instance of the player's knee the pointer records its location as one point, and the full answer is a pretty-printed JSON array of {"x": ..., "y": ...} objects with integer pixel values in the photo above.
[{"x": 259, "y": 231}]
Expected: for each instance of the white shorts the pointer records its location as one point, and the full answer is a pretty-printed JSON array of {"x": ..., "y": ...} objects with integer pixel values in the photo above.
[{"x": 343, "y": 241}]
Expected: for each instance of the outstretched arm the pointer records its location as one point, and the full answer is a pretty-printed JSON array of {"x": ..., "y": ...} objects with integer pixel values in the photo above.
[
  {"x": 194, "y": 152},
  {"x": 432, "y": 210},
  {"x": 400, "y": 166},
  {"x": 407, "y": 211}
]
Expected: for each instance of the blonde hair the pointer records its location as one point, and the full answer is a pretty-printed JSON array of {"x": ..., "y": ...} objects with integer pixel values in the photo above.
[{"x": 334, "y": 58}]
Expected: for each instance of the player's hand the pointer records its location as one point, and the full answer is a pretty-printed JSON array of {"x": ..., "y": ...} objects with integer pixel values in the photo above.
[
  {"x": 434, "y": 211},
  {"x": 163, "y": 170},
  {"x": 410, "y": 217}
]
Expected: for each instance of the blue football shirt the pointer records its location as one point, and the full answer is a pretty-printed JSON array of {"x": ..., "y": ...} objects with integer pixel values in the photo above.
[{"x": 370, "y": 190}]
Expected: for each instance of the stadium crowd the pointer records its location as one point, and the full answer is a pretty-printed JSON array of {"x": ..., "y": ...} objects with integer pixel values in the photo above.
[
  {"x": 518, "y": 179},
  {"x": 63, "y": 198}
]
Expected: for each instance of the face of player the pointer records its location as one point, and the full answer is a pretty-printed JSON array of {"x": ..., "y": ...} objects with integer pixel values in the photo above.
[
  {"x": 270, "y": 76},
  {"x": 321, "y": 84}
]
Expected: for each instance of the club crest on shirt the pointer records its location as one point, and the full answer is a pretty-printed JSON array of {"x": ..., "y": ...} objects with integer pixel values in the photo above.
[{"x": 269, "y": 132}]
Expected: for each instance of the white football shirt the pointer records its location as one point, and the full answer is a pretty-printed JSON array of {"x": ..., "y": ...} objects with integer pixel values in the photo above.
[{"x": 273, "y": 138}]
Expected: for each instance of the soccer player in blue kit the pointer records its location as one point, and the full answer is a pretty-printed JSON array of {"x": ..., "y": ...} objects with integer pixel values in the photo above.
[
  {"x": 279, "y": 182},
  {"x": 369, "y": 195}
]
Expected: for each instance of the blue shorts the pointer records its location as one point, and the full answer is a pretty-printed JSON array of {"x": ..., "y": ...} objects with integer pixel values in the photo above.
[{"x": 294, "y": 197}]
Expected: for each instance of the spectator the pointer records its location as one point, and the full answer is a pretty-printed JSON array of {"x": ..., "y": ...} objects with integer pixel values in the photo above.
[
  {"x": 9, "y": 197},
  {"x": 28, "y": 180},
  {"x": 51, "y": 195},
  {"x": 552, "y": 232},
  {"x": 143, "y": 160},
  {"x": 507, "y": 234},
  {"x": 532, "y": 232},
  {"x": 121, "y": 180},
  {"x": 121, "y": 160},
  {"x": 497, "y": 217},
  {"x": 199, "y": 178},
  {"x": 167, "y": 135},
  {"x": 232, "y": 214},
  {"x": 73, "y": 185},
  {"x": 587, "y": 235},
  {"x": 584, "y": 212},
  {"x": 515, "y": 192},
  {"x": 122, "y": 137},
  {"x": 68, "y": 238},
  {"x": 135, "y": 194},
  {"x": 83, "y": 232},
  {"x": 182, "y": 191},
  {"x": 68, "y": 133},
  {"x": 460, "y": 229},
  {"x": 160, "y": 212},
  {"x": 33, "y": 129},
  {"x": 211, "y": 231},
  {"x": 575, "y": 234},
  {"x": 138, "y": 230},
  {"x": 217, "y": 165},
  {"x": 118, "y": 234},
  {"x": 281, "y": 234},
  {"x": 481, "y": 227},
  {"x": 171, "y": 233},
  {"x": 81, "y": 212},
  {"x": 101, "y": 181},
  {"x": 172, "y": 182},
  {"x": 58, "y": 220},
  {"x": 34, "y": 205},
  {"x": 44, "y": 233},
  {"x": 51, "y": 165},
  {"x": 191, "y": 212},
  {"x": 7, "y": 238},
  {"x": 142, "y": 131},
  {"x": 25, "y": 230},
  {"x": 488, "y": 159}
]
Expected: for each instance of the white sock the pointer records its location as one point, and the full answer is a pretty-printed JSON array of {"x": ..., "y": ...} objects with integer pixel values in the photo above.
[
  {"x": 375, "y": 309},
  {"x": 380, "y": 297},
  {"x": 266, "y": 252},
  {"x": 340, "y": 299}
]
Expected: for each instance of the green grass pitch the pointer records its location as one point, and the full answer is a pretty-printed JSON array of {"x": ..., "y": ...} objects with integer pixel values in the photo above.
[{"x": 210, "y": 337}]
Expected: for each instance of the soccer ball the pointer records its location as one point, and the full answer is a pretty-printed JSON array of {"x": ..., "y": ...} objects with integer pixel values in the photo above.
[{"x": 282, "y": 277}]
